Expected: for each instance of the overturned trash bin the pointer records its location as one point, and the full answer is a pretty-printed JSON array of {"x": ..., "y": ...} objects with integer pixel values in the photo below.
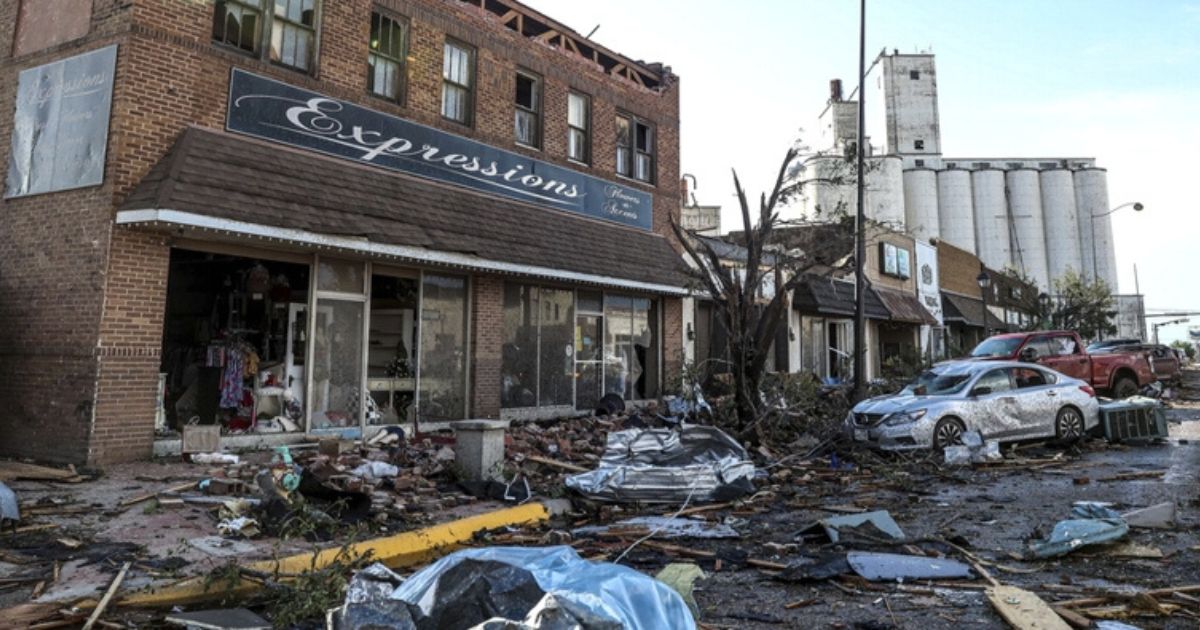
[
  {"x": 512, "y": 587},
  {"x": 668, "y": 466}
]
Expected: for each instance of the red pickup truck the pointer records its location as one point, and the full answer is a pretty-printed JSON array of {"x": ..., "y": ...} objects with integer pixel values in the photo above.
[{"x": 1120, "y": 374}]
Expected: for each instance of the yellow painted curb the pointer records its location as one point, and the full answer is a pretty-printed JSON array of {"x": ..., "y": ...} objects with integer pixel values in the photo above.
[{"x": 402, "y": 550}]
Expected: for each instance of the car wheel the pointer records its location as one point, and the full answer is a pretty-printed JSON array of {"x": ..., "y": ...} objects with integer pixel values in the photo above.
[
  {"x": 948, "y": 432},
  {"x": 1068, "y": 426},
  {"x": 1124, "y": 387}
]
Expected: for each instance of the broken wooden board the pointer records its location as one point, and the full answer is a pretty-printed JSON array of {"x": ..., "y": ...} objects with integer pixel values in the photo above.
[
  {"x": 1133, "y": 550},
  {"x": 1024, "y": 610},
  {"x": 10, "y": 470}
]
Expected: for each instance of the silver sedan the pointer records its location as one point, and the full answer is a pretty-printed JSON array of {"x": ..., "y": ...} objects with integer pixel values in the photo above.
[{"x": 1004, "y": 400}]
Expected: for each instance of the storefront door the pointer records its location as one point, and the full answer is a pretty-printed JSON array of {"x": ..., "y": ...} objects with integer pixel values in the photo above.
[{"x": 589, "y": 360}]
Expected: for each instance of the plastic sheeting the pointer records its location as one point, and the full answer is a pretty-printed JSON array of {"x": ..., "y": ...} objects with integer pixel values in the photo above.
[
  {"x": 9, "y": 510},
  {"x": 544, "y": 588},
  {"x": 668, "y": 466},
  {"x": 1094, "y": 523}
]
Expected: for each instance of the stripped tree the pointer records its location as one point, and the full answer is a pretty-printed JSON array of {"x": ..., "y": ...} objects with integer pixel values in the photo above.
[{"x": 750, "y": 296}]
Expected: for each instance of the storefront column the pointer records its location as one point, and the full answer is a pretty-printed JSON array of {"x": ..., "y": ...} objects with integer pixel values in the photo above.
[
  {"x": 130, "y": 348},
  {"x": 487, "y": 340}
]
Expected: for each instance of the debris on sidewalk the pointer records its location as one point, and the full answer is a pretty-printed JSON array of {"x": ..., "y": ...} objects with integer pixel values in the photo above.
[
  {"x": 514, "y": 587},
  {"x": 1093, "y": 524},
  {"x": 660, "y": 527},
  {"x": 696, "y": 463},
  {"x": 681, "y": 577},
  {"x": 878, "y": 525},
  {"x": 9, "y": 508},
  {"x": 224, "y": 619},
  {"x": 973, "y": 450},
  {"x": 1157, "y": 516},
  {"x": 1024, "y": 610},
  {"x": 891, "y": 567}
]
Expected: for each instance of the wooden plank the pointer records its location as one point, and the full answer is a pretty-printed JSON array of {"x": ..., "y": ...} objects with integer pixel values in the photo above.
[
  {"x": 1073, "y": 618},
  {"x": 570, "y": 43},
  {"x": 150, "y": 495},
  {"x": 547, "y": 36},
  {"x": 555, "y": 463},
  {"x": 1024, "y": 610},
  {"x": 108, "y": 595},
  {"x": 10, "y": 470}
]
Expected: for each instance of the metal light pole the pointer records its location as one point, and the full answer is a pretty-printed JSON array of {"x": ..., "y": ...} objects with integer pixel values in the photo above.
[
  {"x": 860, "y": 245},
  {"x": 985, "y": 283},
  {"x": 1137, "y": 207}
]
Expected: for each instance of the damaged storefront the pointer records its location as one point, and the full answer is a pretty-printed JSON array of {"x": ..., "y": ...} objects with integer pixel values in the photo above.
[
  {"x": 306, "y": 293},
  {"x": 826, "y": 309}
]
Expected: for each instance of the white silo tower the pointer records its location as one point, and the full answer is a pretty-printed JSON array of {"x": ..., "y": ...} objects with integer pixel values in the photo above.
[
  {"x": 822, "y": 195},
  {"x": 885, "y": 191},
  {"x": 1028, "y": 231},
  {"x": 1062, "y": 222},
  {"x": 1095, "y": 232},
  {"x": 956, "y": 215},
  {"x": 991, "y": 218},
  {"x": 921, "y": 203}
]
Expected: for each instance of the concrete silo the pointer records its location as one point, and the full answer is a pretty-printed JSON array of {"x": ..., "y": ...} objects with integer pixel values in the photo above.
[
  {"x": 1095, "y": 232},
  {"x": 885, "y": 191},
  {"x": 1027, "y": 231},
  {"x": 956, "y": 216},
  {"x": 1061, "y": 221},
  {"x": 991, "y": 218},
  {"x": 921, "y": 203},
  {"x": 823, "y": 197}
]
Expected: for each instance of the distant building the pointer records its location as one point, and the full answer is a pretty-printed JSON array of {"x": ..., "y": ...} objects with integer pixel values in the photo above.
[
  {"x": 1038, "y": 216},
  {"x": 703, "y": 220}
]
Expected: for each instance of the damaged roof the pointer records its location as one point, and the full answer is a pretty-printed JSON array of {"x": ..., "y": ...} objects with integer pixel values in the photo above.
[
  {"x": 826, "y": 296},
  {"x": 221, "y": 175}
]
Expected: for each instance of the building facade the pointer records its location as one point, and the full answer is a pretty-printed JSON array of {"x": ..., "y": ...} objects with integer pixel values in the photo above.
[
  {"x": 1037, "y": 216},
  {"x": 313, "y": 215}
]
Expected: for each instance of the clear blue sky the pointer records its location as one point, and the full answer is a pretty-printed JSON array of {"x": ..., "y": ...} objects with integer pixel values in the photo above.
[{"x": 1114, "y": 80}]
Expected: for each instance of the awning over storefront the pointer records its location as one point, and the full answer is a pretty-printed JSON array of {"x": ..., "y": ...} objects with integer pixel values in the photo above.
[
  {"x": 216, "y": 182},
  {"x": 905, "y": 307},
  {"x": 835, "y": 298},
  {"x": 968, "y": 311}
]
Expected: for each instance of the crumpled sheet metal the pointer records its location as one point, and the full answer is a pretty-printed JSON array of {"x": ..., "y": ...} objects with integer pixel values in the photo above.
[
  {"x": 880, "y": 523},
  {"x": 668, "y": 466},
  {"x": 566, "y": 592},
  {"x": 1093, "y": 524}
]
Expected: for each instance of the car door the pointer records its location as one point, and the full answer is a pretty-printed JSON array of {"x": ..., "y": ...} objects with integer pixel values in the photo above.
[
  {"x": 993, "y": 412},
  {"x": 1036, "y": 401},
  {"x": 1064, "y": 355}
]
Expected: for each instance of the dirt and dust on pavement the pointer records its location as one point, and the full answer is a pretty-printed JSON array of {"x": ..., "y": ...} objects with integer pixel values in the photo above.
[{"x": 762, "y": 576}]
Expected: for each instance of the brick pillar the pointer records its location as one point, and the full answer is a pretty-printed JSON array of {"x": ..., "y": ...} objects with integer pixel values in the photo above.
[
  {"x": 487, "y": 329},
  {"x": 130, "y": 348},
  {"x": 672, "y": 344}
]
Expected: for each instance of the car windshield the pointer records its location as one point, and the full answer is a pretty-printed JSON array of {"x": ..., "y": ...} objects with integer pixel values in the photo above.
[
  {"x": 997, "y": 347},
  {"x": 934, "y": 384}
]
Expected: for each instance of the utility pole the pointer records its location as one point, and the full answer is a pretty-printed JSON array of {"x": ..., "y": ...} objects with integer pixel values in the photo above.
[{"x": 860, "y": 245}]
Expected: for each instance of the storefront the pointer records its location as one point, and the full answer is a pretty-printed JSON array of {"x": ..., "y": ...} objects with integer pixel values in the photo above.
[{"x": 826, "y": 310}]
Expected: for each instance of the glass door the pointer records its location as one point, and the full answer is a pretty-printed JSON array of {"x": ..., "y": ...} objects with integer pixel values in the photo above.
[{"x": 337, "y": 359}]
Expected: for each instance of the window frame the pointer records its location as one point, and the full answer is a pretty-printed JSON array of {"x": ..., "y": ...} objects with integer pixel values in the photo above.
[
  {"x": 472, "y": 64},
  {"x": 539, "y": 106},
  {"x": 586, "y": 130},
  {"x": 634, "y": 152},
  {"x": 265, "y": 34},
  {"x": 401, "y": 97}
]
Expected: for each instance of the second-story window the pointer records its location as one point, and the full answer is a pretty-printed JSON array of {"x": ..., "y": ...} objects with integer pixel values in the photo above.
[
  {"x": 458, "y": 64},
  {"x": 287, "y": 32},
  {"x": 389, "y": 48},
  {"x": 635, "y": 149},
  {"x": 529, "y": 110},
  {"x": 579, "y": 116},
  {"x": 238, "y": 24},
  {"x": 294, "y": 33}
]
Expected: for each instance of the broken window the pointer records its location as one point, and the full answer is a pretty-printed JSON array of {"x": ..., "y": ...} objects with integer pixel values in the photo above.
[
  {"x": 458, "y": 63},
  {"x": 385, "y": 61},
  {"x": 635, "y": 149},
  {"x": 538, "y": 358},
  {"x": 579, "y": 115},
  {"x": 294, "y": 33},
  {"x": 237, "y": 23},
  {"x": 443, "y": 348},
  {"x": 528, "y": 110}
]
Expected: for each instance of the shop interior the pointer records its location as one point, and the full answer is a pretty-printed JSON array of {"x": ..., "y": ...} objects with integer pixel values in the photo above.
[{"x": 234, "y": 343}]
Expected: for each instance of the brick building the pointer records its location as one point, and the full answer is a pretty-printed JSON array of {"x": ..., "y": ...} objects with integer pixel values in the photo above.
[{"x": 252, "y": 238}]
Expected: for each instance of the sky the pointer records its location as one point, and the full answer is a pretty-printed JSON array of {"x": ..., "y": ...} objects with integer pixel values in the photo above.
[{"x": 1115, "y": 80}]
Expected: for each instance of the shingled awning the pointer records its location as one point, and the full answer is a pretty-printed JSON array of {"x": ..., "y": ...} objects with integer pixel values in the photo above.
[
  {"x": 965, "y": 310},
  {"x": 905, "y": 307},
  {"x": 214, "y": 181},
  {"x": 822, "y": 295}
]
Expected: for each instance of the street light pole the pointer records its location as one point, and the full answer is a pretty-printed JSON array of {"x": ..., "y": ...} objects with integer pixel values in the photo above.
[
  {"x": 1137, "y": 207},
  {"x": 985, "y": 283},
  {"x": 860, "y": 246}
]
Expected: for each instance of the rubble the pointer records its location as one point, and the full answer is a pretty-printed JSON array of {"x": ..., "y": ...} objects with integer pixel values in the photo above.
[{"x": 1094, "y": 524}]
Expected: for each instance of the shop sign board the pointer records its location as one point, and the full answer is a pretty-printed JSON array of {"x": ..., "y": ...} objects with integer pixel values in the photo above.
[
  {"x": 60, "y": 126},
  {"x": 895, "y": 261},
  {"x": 928, "y": 286},
  {"x": 279, "y": 112}
]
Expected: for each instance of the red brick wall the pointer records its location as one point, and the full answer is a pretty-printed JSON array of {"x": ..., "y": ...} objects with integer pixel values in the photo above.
[
  {"x": 85, "y": 302},
  {"x": 487, "y": 338}
]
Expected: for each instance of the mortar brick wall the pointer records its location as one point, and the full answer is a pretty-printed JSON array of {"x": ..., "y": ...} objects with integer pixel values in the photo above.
[
  {"x": 487, "y": 338},
  {"x": 83, "y": 301}
]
